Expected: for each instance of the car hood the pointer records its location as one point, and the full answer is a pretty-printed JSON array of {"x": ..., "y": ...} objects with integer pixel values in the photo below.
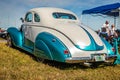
[{"x": 81, "y": 36}]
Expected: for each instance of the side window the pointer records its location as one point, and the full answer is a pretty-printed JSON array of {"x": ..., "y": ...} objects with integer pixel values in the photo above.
[
  {"x": 28, "y": 17},
  {"x": 36, "y": 18},
  {"x": 58, "y": 15}
]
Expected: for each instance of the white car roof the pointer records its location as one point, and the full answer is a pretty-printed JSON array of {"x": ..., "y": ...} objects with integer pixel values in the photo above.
[
  {"x": 47, "y": 18},
  {"x": 50, "y": 10}
]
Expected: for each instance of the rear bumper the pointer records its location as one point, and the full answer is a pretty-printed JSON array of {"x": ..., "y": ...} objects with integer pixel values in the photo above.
[{"x": 109, "y": 59}]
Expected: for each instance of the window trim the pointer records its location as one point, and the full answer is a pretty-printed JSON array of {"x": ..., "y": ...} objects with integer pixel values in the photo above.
[
  {"x": 26, "y": 17},
  {"x": 34, "y": 18},
  {"x": 56, "y": 15}
]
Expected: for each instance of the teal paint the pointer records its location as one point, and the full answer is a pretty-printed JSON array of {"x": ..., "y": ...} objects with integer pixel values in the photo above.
[
  {"x": 108, "y": 46},
  {"x": 55, "y": 46},
  {"x": 116, "y": 42},
  {"x": 28, "y": 43},
  {"x": 16, "y": 36},
  {"x": 42, "y": 50},
  {"x": 93, "y": 45}
]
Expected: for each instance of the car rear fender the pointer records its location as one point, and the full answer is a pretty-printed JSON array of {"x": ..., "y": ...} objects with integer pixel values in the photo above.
[
  {"x": 51, "y": 47},
  {"x": 109, "y": 47}
]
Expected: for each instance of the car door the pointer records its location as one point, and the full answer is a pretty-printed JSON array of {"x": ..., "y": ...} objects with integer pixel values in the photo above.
[{"x": 28, "y": 30}]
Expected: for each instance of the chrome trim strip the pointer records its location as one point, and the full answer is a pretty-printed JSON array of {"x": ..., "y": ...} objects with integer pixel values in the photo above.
[{"x": 89, "y": 60}]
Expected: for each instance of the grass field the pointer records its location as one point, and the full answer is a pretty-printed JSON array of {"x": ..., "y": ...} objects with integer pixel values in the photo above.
[
  {"x": 18, "y": 65},
  {"x": 1, "y": 39}
]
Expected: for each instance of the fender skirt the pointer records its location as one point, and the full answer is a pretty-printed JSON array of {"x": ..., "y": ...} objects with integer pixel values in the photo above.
[{"x": 47, "y": 46}]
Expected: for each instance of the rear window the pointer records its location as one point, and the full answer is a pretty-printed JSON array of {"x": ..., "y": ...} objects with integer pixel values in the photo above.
[{"x": 64, "y": 16}]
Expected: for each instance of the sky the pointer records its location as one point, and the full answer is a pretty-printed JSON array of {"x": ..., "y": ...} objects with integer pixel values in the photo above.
[{"x": 13, "y": 10}]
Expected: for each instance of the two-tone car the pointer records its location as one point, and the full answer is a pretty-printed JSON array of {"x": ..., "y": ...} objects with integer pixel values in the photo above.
[{"x": 57, "y": 34}]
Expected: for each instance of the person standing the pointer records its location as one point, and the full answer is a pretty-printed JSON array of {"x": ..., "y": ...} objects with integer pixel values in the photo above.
[
  {"x": 105, "y": 28},
  {"x": 105, "y": 31},
  {"x": 113, "y": 31}
]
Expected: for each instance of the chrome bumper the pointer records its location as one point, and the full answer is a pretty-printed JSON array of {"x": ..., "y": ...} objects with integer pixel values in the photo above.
[
  {"x": 108, "y": 59},
  {"x": 111, "y": 58}
]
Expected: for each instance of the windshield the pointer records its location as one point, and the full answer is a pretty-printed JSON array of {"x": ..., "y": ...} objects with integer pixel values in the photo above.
[{"x": 64, "y": 16}]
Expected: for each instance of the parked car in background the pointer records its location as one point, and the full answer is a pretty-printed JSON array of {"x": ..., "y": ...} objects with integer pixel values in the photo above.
[
  {"x": 57, "y": 34},
  {"x": 3, "y": 33}
]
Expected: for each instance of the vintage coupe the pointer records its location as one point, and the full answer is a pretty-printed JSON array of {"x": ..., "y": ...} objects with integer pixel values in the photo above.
[{"x": 57, "y": 34}]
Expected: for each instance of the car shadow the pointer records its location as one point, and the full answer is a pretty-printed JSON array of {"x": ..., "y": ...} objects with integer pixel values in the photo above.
[
  {"x": 71, "y": 66},
  {"x": 65, "y": 66},
  {"x": 61, "y": 65},
  {"x": 56, "y": 64}
]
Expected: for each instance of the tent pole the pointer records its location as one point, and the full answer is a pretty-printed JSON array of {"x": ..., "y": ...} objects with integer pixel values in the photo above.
[{"x": 115, "y": 20}]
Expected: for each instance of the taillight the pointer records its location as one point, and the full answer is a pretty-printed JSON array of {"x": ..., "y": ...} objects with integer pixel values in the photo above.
[
  {"x": 66, "y": 52},
  {"x": 113, "y": 49}
]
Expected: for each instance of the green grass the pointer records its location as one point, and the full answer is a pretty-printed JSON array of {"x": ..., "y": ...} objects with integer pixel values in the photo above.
[
  {"x": 1, "y": 38},
  {"x": 18, "y": 65}
]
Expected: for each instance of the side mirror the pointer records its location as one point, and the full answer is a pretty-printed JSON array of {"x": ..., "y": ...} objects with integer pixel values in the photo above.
[{"x": 22, "y": 20}]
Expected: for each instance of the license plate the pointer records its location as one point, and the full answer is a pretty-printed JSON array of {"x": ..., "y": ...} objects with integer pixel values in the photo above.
[{"x": 99, "y": 58}]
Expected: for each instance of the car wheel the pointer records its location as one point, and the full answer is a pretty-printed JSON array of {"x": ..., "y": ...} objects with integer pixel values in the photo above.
[{"x": 9, "y": 41}]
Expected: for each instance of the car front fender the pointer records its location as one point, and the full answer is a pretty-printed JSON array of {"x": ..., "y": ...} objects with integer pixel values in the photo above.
[{"x": 16, "y": 36}]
